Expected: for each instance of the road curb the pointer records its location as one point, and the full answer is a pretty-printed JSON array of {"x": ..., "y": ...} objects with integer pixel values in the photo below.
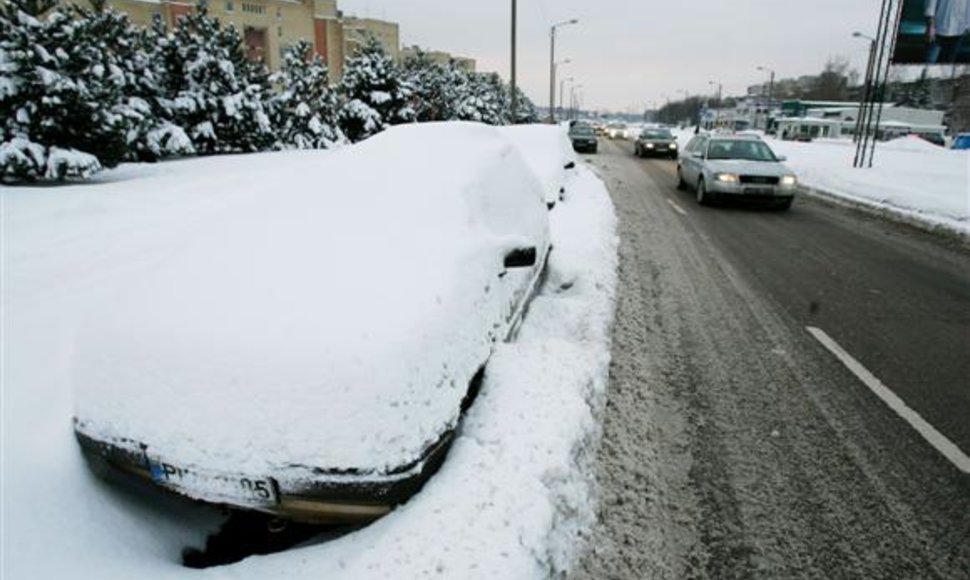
[{"x": 895, "y": 215}]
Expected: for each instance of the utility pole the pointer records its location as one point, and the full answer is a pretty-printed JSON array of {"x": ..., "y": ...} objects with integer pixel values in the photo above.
[
  {"x": 552, "y": 66},
  {"x": 867, "y": 86},
  {"x": 515, "y": 91}
]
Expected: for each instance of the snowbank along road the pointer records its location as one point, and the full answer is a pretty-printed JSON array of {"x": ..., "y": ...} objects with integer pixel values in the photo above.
[{"x": 788, "y": 395}]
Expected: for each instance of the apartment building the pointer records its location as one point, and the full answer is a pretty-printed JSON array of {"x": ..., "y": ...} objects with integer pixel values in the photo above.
[
  {"x": 269, "y": 26},
  {"x": 440, "y": 57}
]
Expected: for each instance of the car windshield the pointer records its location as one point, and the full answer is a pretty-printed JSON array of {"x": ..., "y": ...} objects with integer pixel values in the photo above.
[
  {"x": 663, "y": 135},
  {"x": 740, "y": 149},
  {"x": 582, "y": 130}
]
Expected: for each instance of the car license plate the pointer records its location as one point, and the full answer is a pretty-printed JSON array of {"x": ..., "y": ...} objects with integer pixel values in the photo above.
[
  {"x": 214, "y": 486},
  {"x": 758, "y": 190}
]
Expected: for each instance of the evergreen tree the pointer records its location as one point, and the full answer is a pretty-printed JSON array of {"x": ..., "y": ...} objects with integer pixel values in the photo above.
[
  {"x": 211, "y": 89},
  {"x": 438, "y": 89},
  {"x": 917, "y": 94},
  {"x": 374, "y": 92},
  {"x": 305, "y": 110},
  {"x": 526, "y": 111},
  {"x": 61, "y": 92},
  {"x": 485, "y": 100}
]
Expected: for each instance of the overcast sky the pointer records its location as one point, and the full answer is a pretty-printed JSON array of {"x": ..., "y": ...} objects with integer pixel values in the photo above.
[{"x": 631, "y": 53}]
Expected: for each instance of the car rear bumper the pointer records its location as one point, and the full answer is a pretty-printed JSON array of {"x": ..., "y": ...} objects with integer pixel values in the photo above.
[
  {"x": 300, "y": 494},
  {"x": 585, "y": 145}
]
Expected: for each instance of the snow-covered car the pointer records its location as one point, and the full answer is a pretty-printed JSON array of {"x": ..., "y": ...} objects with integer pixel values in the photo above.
[
  {"x": 736, "y": 166},
  {"x": 311, "y": 358},
  {"x": 549, "y": 152}
]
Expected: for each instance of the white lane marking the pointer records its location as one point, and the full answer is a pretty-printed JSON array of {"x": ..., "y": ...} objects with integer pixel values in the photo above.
[
  {"x": 676, "y": 207},
  {"x": 934, "y": 437}
]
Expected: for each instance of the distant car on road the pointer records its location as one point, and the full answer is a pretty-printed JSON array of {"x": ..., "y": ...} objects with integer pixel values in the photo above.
[
  {"x": 736, "y": 166},
  {"x": 656, "y": 142},
  {"x": 312, "y": 361},
  {"x": 961, "y": 141},
  {"x": 584, "y": 138},
  {"x": 616, "y": 131}
]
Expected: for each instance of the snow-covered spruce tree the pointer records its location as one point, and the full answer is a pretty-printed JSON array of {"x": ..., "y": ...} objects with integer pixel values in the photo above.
[
  {"x": 485, "y": 100},
  {"x": 151, "y": 135},
  {"x": 61, "y": 92},
  {"x": 525, "y": 111},
  {"x": 211, "y": 89},
  {"x": 375, "y": 93},
  {"x": 438, "y": 89},
  {"x": 305, "y": 109}
]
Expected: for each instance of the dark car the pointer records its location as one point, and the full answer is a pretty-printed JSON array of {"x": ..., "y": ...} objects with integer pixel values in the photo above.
[
  {"x": 583, "y": 138},
  {"x": 656, "y": 142}
]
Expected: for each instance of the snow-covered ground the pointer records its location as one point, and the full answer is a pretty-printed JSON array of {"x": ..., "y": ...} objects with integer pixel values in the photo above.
[
  {"x": 512, "y": 501},
  {"x": 910, "y": 177}
]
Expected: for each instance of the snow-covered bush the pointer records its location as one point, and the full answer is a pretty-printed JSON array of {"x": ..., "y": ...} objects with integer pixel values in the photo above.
[
  {"x": 305, "y": 109},
  {"x": 485, "y": 100},
  {"x": 210, "y": 88},
  {"x": 375, "y": 93},
  {"x": 437, "y": 88},
  {"x": 526, "y": 111},
  {"x": 80, "y": 86},
  {"x": 62, "y": 91}
]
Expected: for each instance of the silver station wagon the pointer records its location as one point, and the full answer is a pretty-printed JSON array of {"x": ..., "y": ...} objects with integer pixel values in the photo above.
[{"x": 735, "y": 166}]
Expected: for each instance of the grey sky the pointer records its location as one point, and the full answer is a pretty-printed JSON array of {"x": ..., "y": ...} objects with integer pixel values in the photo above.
[{"x": 630, "y": 53}]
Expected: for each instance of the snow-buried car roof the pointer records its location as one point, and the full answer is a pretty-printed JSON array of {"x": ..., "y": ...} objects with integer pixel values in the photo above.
[{"x": 333, "y": 318}]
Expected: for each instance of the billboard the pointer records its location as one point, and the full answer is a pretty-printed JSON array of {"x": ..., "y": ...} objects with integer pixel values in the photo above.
[{"x": 933, "y": 32}]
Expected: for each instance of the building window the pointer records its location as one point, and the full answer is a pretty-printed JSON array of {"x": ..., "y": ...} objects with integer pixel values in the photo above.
[
  {"x": 230, "y": 7},
  {"x": 279, "y": 14},
  {"x": 279, "y": 31}
]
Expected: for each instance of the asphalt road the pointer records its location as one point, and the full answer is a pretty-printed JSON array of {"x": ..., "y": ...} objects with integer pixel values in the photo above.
[{"x": 736, "y": 444}]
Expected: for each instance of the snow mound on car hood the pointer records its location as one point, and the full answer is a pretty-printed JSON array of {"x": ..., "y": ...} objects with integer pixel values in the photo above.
[
  {"x": 339, "y": 328},
  {"x": 547, "y": 149}
]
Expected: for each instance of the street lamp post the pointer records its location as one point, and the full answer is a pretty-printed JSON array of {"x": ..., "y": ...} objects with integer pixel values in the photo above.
[
  {"x": 572, "y": 100},
  {"x": 552, "y": 66},
  {"x": 515, "y": 96},
  {"x": 867, "y": 87},
  {"x": 552, "y": 116},
  {"x": 561, "y": 86}
]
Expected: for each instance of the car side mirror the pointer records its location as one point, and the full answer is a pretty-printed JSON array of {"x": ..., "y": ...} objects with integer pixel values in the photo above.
[
  {"x": 781, "y": 158},
  {"x": 521, "y": 258},
  {"x": 697, "y": 154}
]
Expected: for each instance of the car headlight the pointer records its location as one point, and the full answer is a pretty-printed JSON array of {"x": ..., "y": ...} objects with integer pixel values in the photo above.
[
  {"x": 673, "y": 145},
  {"x": 789, "y": 180},
  {"x": 649, "y": 145},
  {"x": 726, "y": 177}
]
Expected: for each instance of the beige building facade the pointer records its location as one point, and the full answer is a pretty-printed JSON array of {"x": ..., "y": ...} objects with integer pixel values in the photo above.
[
  {"x": 268, "y": 27},
  {"x": 440, "y": 57}
]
